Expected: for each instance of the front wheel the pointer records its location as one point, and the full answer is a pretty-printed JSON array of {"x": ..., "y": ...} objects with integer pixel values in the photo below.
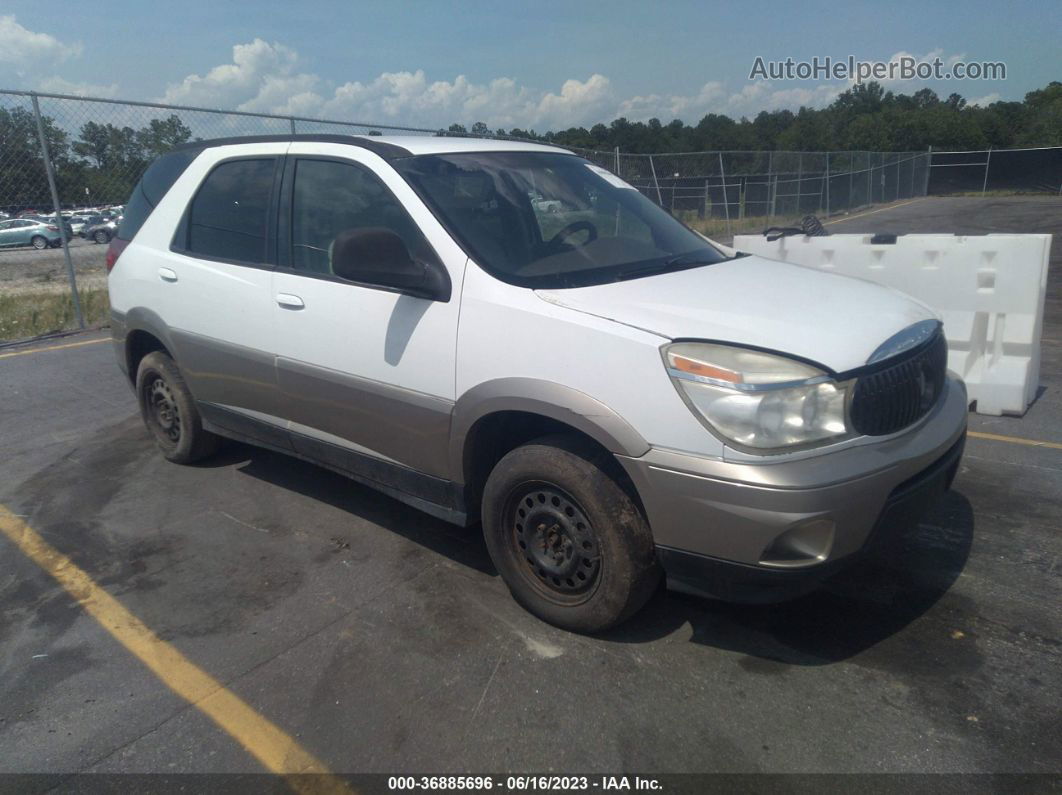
[
  {"x": 169, "y": 411},
  {"x": 566, "y": 537}
]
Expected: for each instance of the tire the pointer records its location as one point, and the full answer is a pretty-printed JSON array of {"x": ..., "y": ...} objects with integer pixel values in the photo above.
[
  {"x": 101, "y": 237},
  {"x": 38, "y": 242},
  {"x": 169, "y": 411},
  {"x": 567, "y": 538}
]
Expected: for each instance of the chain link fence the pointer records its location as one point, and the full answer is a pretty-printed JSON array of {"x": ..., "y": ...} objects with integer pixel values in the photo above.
[
  {"x": 79, "y": 158},
  {"x": 729, "y": 192}
]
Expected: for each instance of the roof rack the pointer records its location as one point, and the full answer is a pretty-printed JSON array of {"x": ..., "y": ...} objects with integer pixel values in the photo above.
[{"x": 385, "y": 150}]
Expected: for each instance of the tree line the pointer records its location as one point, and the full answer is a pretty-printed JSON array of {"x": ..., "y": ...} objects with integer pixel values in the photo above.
[
  {"x": 101, "y": 165},
  {"x": 102, "y": 162},
  {"x": 866, "y": 117}
]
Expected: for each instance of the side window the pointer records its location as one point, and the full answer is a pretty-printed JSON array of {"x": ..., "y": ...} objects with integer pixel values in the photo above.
[
  {"x": 229, "y": 216},
  {"x": 332, "y": 197}
]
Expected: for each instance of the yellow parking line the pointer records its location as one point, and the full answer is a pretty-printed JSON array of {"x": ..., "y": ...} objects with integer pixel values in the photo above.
[
  {"x": 871, "y": 212},
  {"x": 54, "y": 348},
  {"x": 995, "y": 437},
  {"x": 277, "y": 751}
]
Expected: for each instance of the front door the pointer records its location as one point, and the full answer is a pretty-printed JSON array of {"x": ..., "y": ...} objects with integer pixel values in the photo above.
[{"x": 367, "y": 374}]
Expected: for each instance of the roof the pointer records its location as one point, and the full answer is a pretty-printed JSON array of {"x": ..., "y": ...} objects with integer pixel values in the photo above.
[{"x": 389, "y": 147}]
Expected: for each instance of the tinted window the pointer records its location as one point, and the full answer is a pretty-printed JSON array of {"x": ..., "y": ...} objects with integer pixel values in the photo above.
[
  {"x": 333, "y": 197},
  {"x": 157, "y": 180},
  {"x": 229, "y": 215}
]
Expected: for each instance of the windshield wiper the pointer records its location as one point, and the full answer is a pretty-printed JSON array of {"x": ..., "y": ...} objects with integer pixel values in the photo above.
[{"x": 681, "y": 261}]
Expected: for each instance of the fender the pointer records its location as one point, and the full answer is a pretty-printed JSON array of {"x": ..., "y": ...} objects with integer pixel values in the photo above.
[
  {"x": 138, "y": 319},
  {"x": 545, "y": 398}
]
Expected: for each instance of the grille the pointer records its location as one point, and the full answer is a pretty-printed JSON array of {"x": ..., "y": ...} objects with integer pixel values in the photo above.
[{"x": 902, "y": 391}]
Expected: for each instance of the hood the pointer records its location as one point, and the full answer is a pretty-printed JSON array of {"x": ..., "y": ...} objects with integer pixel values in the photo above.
[{"x": 834, "y": 320}]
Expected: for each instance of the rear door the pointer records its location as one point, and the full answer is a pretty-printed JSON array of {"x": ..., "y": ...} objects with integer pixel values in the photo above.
[
  {"x": 9, "y": 234},
  {"x": 211, "y": 284},
  {"x": 366, "y": 373}
]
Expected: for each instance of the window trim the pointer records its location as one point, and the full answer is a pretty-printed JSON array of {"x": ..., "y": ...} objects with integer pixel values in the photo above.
[
  {"x": 286, "y": 223},
  {"x": 179, "y": 243}
]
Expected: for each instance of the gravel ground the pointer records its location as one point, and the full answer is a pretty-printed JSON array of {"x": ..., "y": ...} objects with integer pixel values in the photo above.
[{"x": 29, "y": 270}]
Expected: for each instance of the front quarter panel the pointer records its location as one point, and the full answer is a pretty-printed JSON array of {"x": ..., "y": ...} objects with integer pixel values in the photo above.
[{"x": 511, "y": 336}]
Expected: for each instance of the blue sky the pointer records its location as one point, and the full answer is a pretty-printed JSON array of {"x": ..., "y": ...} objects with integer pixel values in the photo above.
[{"x": 543, "y": 65}]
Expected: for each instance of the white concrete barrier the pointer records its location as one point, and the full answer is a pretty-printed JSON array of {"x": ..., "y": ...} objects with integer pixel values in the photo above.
[{"x": 988, "y": 289}]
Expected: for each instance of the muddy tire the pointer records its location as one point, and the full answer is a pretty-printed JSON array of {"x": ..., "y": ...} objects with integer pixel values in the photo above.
[
  {"x": 567, "y": 537},
  {"x": 169, "y": 411}
]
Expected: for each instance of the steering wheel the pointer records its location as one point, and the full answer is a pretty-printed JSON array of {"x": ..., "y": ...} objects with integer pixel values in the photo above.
[{"x": 561, "y": 238}]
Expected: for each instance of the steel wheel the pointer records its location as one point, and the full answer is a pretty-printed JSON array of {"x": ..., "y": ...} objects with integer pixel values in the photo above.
[
  {"x": 164, "y": 410},
  {"x": 554, "y": 542}
]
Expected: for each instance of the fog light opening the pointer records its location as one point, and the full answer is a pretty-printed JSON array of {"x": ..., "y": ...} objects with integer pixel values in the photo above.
[{"x": 803, "y": 545}]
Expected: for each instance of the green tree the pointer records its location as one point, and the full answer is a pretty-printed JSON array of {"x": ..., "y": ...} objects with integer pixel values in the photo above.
[
  {"x": 23, "y": 181},
  {"x": 162, "y": 135}
]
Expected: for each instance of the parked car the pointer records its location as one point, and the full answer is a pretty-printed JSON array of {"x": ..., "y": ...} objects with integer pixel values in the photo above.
[
  {"x": 101, "y": 232},
  {"x": 28, "y": 232},
  {"x": 88, "y": 221},
  {"x": 621, "y": 399},
  {"x": 544, "y": 205},
  {"x": 67, "y": 226}
]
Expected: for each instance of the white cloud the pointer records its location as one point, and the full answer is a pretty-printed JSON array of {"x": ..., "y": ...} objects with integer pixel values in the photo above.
[
  {"x": 259, "y": 73},
  {"x": 266, "y": 77},
  {"x": 986, "y": 100},
  {"x": 23, "y": 48},
  {"x": 59, "y": 85}
]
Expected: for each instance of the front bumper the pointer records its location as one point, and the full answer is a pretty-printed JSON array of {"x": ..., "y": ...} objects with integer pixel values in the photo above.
[{"x": 727, "y": 529}]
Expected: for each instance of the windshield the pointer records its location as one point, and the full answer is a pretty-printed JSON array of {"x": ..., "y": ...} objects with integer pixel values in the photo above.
[{"x": 539, "y": 219}]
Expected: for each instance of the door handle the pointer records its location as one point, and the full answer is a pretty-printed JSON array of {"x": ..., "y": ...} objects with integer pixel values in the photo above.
[
  {"x": 167, "y": 275},
  {"x": 289, "y": 301}
]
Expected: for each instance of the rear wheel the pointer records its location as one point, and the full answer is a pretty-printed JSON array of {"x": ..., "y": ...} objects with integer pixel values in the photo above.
[
  {"x": 39, "y": 242},
  {"x": 101, "y": 237},
  {"x": 566, "y": 537},
  {"x": 169, "y": 411}
]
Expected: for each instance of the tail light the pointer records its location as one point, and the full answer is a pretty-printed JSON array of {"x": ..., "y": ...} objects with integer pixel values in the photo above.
[{"x": 114, "y": 251}]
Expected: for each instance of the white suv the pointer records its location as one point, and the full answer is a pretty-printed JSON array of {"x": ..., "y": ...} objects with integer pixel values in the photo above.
[{"x": 611, "y": 394}]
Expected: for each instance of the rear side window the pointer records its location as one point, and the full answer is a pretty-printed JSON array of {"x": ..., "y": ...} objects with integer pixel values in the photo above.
[
  {"x": 157, "y": 180},
  {"x": 229, "y": 216}
]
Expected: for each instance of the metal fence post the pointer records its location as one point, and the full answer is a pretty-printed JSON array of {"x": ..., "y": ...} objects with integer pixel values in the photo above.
[
  {"x": 769, "y": 207},
  {"x": 617, "y": 163},
  {"x": 726, "y": 199},
  {"x": 827, "y": 184},
  {"x": 656, "y": 182},
  {"x": 870, "y": 180},
  {"x": 896, "y": 192},
  {"x": 800, "y": 180},
  {"x": 929, "y": 167},
  {"x": 58, "y": 212},
  {"x": 292, "y": 120},
  {"x": 851, "y": 178},
  {"x": 988, "y": 160}
]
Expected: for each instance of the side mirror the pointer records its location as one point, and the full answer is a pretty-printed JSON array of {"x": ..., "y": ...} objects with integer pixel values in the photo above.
[{"x": 377, "y": 257}]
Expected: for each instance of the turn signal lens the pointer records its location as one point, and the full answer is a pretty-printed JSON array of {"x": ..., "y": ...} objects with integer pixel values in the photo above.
[{"x": 687, "y": 365}]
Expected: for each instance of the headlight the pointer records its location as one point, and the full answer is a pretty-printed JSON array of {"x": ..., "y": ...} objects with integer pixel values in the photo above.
[{"x": 759, "y": 400}]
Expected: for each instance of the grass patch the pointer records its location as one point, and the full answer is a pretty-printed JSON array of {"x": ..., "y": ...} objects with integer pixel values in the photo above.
[{"x": 25, "y": 315}]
